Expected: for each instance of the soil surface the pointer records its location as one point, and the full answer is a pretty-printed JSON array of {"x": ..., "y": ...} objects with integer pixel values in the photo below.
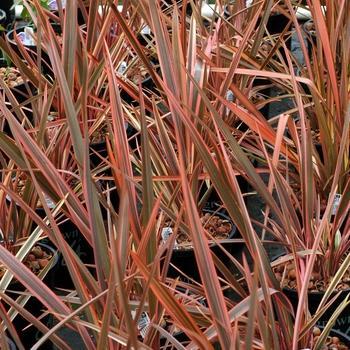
[
  {"x": 332, "y": 343},
  {"x": 286, "y": 274},
  {"x": 217, "y": 227},
  {"x": 11, "y": 76},
  {"x": 36, "y": 260}
]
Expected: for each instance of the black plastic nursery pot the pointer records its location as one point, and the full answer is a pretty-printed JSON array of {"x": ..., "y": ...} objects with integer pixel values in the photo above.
[
  {"x": 30, "y": 335},
  {"x": 147, "y": 84},
  {"x": 80, "y": 246},
  {"x": 21, "y": 94},
  {"x": 71, "y": 234},
  {"x": 11, "y": 38},
  {"x": 342, "y": 324},
  {"x": 110, "y": 191},
  {"x": 2, "y": 17},
  {"x": 179, "y": 335},
  {"x": 213, "y": 198},
  {"x": 342, "y": 337},
  {"x": 185, "y": 261},
  {"x": 308, "y": 28},
  {"x": 319, "y": 150},
  {"x": 98, "y": 150},
  {"x": 144, "y": 38},
  {"x": 32, "y": 49},
  {"x": 264, "y": 88},
  {"x": 124, "y": 95},
  {"x": 7, "y": 7},
  {"x": 275, "y": 25}
]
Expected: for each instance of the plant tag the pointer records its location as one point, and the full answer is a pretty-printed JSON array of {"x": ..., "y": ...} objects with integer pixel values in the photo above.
[
  {"x": 146, "y": 30},
  {"x": 28, "y": 38},
  {"x": 53, "y": 6},
  {"x": 49, "y": 202},
  {"x": 122, "y": 67},
  {"x": 166, "y": 232},
  {"x": 143, "y": 324},
  {"x": 229, "y": 97},
  {"x": 336, "y": 203}
]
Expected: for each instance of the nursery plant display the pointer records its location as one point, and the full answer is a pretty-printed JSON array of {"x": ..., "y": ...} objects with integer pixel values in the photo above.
[
  {"x": 219, "y": 227},
  {"x": 314, "y": 190},
  {"x": 146, "y": 115},
  {"x": 25, "y": 240},
  {"x": 220, "y": 231}
]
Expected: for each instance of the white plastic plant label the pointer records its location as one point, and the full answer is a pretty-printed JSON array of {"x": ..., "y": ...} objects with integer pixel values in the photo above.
[
  {"x": 49, "y": 202},
  {"x": 122, "y": 67},
  {"x": 229, "y": 97},
  {"x": 336, "y": 203},
  {"x": 27, "y": 36},
  {"x": 166, "y": 232},
  {"x": 146, "y": 30},
  {"x": 53, "y": 5},
  {"x": 143, "y": 324}
]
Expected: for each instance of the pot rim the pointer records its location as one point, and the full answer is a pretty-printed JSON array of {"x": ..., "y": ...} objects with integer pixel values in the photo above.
[
  {"x": 10, "y": 37},
  {"x": 3, "y": 64},
  {"x": 211, "y": 245},
  {"x": 2, "y": 15},
  {"x": 18, "y": 29},
  {"x": 334, "y": 332},
  {"x": 315, "y": 293},
  {"x": 54, "y": 257}
]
